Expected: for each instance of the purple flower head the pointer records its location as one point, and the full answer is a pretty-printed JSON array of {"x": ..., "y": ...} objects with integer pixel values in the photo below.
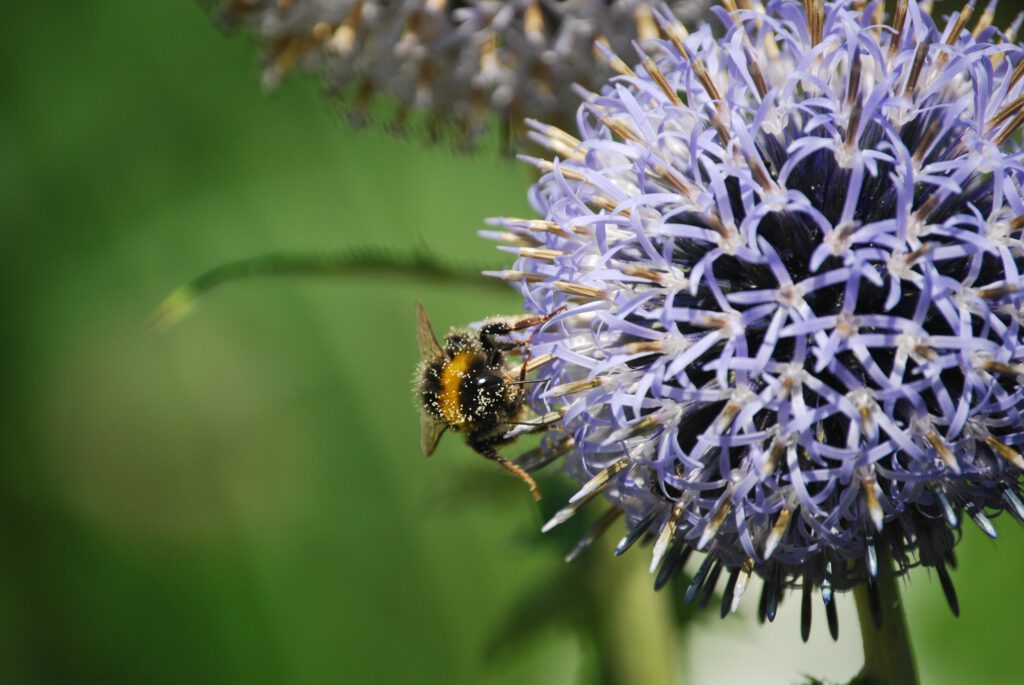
[
  {"x": 454, "y": 61},
  {"x": 791, "y": 260}
]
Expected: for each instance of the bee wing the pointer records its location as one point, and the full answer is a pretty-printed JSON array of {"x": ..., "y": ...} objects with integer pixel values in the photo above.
[
  {"x": 430, "y": 348},
  {"x": 431, "y": 431}
]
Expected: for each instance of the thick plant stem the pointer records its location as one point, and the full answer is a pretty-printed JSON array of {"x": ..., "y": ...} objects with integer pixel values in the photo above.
[
  {"x": 636, "y": 631},
  {"x": 888, "y": 657}
]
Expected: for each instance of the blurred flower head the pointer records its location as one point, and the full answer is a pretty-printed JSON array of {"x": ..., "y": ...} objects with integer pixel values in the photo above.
[
  {"x": 792, "y": 258},
  {"x": 454, "y": 61}
]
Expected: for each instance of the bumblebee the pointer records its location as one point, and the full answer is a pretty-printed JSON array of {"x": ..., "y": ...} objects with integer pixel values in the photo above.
[{"x": 466, "y": 386}]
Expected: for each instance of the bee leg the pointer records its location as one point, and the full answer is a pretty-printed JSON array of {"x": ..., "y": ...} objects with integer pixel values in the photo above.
[
  {"x": 492, "y": 330},
  {"x": 485, "y": 450},
  {"x": 527, "y": 352},
  {"x": 491, "y": 333}
]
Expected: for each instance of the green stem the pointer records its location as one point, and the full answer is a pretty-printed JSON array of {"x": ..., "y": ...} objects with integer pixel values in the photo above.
[
  {"x": 378, "y": 263},
  {"x": 888, "y": 657},
  {"x": 636, "y": 631}
]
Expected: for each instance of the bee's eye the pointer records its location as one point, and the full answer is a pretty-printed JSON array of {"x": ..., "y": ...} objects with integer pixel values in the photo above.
[
  {"x": 488, "y": 383},
  {"x": 488, "y": 394}
]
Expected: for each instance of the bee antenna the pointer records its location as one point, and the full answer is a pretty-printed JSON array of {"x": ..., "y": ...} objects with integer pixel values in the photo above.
[{"x": 538, "y": 380}]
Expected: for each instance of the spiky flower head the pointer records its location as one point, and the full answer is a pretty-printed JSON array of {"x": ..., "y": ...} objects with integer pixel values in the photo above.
[
  {"x": 454, "y": 61},
  {"x": 791, "y": 259}
]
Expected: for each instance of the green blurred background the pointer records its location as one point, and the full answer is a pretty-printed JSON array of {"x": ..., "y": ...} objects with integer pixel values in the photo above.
[{"x": 241, "y": 499}]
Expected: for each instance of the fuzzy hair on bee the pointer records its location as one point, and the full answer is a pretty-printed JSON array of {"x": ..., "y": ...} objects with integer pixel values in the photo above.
[{"x": 465, "y": 384}]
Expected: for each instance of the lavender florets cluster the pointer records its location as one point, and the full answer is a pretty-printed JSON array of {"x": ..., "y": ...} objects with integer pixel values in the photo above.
[
  {"x": 454, "y": 61},
  {"x": 791, "y": 260}
]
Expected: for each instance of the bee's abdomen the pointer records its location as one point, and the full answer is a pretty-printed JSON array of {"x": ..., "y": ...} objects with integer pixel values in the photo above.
[{"x": 430, "y": 388}]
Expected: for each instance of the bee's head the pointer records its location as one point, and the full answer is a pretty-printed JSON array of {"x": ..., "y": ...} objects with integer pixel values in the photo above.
[{"x": 488, "y": 393}]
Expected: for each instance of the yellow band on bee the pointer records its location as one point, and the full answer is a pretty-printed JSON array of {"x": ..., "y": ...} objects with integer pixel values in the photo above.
[{"x": 451, "y": 377}]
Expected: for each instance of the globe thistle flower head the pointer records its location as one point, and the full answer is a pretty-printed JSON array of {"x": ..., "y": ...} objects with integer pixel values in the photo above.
[
  {"x": 791, "y": 259},
  {"x": 453, "y": 61}
]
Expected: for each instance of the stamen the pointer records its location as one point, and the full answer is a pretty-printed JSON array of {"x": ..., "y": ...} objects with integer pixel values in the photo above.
[
  {"x": 815, "y": 11},
  {"x": 981, "y": 520},
  {"x": 898, "y": 24},
  {"x": 675, "y": 31},
  {"x": 943, "y": 450},
  {"x": 698, "y": 579},
  {"x": 947, "y": 589},
  {"x": 593, "y": 533},
  {"x": 636, "y": 532},
  {"x": 709, "y": 584},
  {"x": 874, "y": 602},
  {"x": 554, "y": 133},
  {"x": 1013, "y": 502},
  {"x": 832, "y": 616},
  {"x": 715, "y": 522},
  {"x": 925, "y": 143},
  {"x": 805, "y": 612},
  {"x": 954, "y": 34},
  {"x": 778, "y": 446},
  {"x": 655, "y": 73},
  {"x": 729, "y": 592},
  {"x": 577, "y": 386},
  {"x": 993, "y": 366},
  {"x": 853, "y": 85},
  {"x": 1010, "y": 128},
  {"x": 643, "y": 272},
  {"x": 772, "y": 593},
  {"x": 755, "y": 72},
  {"x": 952, "y": 520},
  {"x": 613, "y": 60},
  {"x": 646, "y": 28},
  {"x": 649, "y": 422},
  {"x": 533, "y": 364},
  {"x": 741, "y": 584},
  {"x": 513, "y": 275},
  {"x": 537, "y": 225},
  {"x": 598, "y": 482},
  {"x": 1005, "y": 451},
  {"x": 985, "y": 20},
  {"x": 621, "y": 129},
  {"x": 871, "y": 501},
  {"x": 584, "y": 291},
  {"x": 776, "y": 533},
  {"x": 542, "y": 254},
  {"x": 1018, "y": 71},
  {"x": 871, "y": 558},
  {"x": 674, "y": 560},
  {"x": 533, "y": 23},
  {"x": 665, "y": 535},
  {"x": 547, "y": 167},
  {"x": 343, "y": 42},
  {"x": 541, "y": 456},
  {"x": 915, "y": 69},
  {"x": 566, "y": 513}
]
